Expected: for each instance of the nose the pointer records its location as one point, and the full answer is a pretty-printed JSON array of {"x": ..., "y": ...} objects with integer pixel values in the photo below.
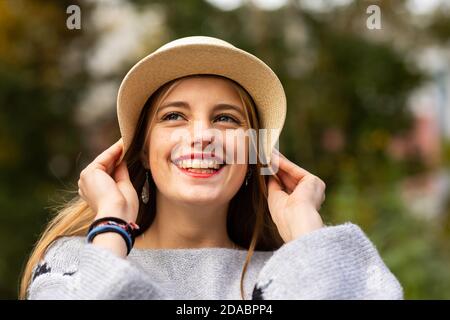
[{"x": 202, "y": 137}]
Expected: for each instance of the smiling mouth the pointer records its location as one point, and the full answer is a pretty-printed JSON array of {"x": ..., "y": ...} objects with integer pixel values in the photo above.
[{"x": 197, "y": 166}]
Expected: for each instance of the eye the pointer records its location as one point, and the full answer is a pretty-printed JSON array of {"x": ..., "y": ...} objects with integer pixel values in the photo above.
[
  {"x": 226, "y": 118},
  {"x": 172, "y": 116}
]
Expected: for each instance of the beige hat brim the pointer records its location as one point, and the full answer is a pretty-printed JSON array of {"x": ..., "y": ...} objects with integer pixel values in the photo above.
[{"x": 170, "y": 63}]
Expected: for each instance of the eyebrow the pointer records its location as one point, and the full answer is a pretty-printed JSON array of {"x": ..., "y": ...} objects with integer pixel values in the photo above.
[{"x": 219, "y": 106}]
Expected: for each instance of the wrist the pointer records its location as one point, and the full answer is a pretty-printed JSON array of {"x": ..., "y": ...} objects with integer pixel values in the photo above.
[
  {"x": 304, "y": 220},
  {"x": 113, "y": 210},
  {"x": 111, "y": 241},
  {"x": 116, "y": 225}
]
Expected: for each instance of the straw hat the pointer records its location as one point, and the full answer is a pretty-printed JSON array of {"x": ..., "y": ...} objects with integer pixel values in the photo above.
[{"x": 202, "y": 55}]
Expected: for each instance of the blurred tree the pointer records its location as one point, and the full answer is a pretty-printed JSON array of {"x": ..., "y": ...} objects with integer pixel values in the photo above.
[{"x": 38, "y": 139}]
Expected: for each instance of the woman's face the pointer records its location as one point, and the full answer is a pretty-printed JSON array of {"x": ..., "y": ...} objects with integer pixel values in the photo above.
[{"x": 190, "y": 146}]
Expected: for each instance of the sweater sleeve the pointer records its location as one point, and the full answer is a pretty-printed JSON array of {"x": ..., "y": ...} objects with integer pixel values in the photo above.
[
  {"x": 73, "y": 269},
  {"x": 337, "y": 262}
]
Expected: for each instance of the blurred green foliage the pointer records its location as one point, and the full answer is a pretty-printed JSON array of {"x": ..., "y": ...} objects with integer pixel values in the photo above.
[{"x": 341, "y": 85}]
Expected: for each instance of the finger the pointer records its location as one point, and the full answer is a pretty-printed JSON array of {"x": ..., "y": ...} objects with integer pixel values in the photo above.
[
  {"x": 289, "y": 167},
  {"x": 106, "y": 160},
  {"x": 275, "y": 189},
  {"x": 285, "y": 181},
  {"x": 277, "y": 197},
  {"x": 122, "y": 178},
  {"x": 312, "y": 188},
  {"x": 289, "y": 182},
  {"x": 274, "y": 184},
  {"x": 322, "y": 200},
  {"x": 121, "y": 173},
  {"x": 79, "y": 188},
  {"x": 81, "y": 194}
]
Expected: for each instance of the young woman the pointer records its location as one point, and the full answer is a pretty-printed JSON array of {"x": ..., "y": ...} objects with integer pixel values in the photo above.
[{"x": 168, "y": 212}]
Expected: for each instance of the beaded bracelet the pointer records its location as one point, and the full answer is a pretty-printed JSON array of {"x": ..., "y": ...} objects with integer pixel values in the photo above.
[
  {"x": 100, "y": 220},
  {"x": 113, "y": 224}
]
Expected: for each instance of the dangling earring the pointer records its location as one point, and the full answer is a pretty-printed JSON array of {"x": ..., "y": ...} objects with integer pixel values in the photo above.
[
  {"x": 145, "y": 189},
  {"x": 247, "y": 177}
]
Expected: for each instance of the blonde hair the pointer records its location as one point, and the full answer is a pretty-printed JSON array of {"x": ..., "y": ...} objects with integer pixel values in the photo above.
[{"x": 249, "y": 222}]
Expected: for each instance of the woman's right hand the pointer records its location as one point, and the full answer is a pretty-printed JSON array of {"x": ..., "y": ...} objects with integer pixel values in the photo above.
[{"x": 107, "y": 188}]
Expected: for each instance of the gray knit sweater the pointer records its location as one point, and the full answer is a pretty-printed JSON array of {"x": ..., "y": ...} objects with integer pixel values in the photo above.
[{"x": 335, "y": 262}]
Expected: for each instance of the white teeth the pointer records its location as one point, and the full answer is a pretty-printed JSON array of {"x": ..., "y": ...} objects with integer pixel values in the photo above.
[
  {"x": 197, "y": 164},
  {"x": 186, "y": 163},
  {"x": 206, "y": 164}
]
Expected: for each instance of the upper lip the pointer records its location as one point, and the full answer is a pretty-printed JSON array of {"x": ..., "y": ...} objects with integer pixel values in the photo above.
[{"x": 199, "y": 156}]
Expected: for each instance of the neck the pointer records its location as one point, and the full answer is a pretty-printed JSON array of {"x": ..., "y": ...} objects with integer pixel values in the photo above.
[{"x": 181, "y": 225}]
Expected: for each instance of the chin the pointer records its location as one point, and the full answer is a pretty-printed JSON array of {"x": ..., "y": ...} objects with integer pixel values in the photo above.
[
  {"x": 200, "y": 196},
  {"x": 198, "y": 201}
]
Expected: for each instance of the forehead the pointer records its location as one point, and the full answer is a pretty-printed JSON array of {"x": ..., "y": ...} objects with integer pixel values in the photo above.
[{"x": 208, "y": 89}]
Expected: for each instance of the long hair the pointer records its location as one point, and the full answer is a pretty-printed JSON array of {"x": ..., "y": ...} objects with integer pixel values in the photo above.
[{"x": 249, "y": 223}]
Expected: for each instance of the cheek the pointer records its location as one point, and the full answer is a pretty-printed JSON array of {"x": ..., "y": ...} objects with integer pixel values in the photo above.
[
  {"x": 236, "y": 148},
  {"x": 237, "y": 175},
  {"x": 159, "y": 151}
]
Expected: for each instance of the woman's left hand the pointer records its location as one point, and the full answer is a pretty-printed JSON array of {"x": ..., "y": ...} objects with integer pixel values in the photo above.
[{"x": 295, "y": 199}]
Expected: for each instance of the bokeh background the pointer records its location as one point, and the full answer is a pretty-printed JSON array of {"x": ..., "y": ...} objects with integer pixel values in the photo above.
[{"x": 368, "y": 110}]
